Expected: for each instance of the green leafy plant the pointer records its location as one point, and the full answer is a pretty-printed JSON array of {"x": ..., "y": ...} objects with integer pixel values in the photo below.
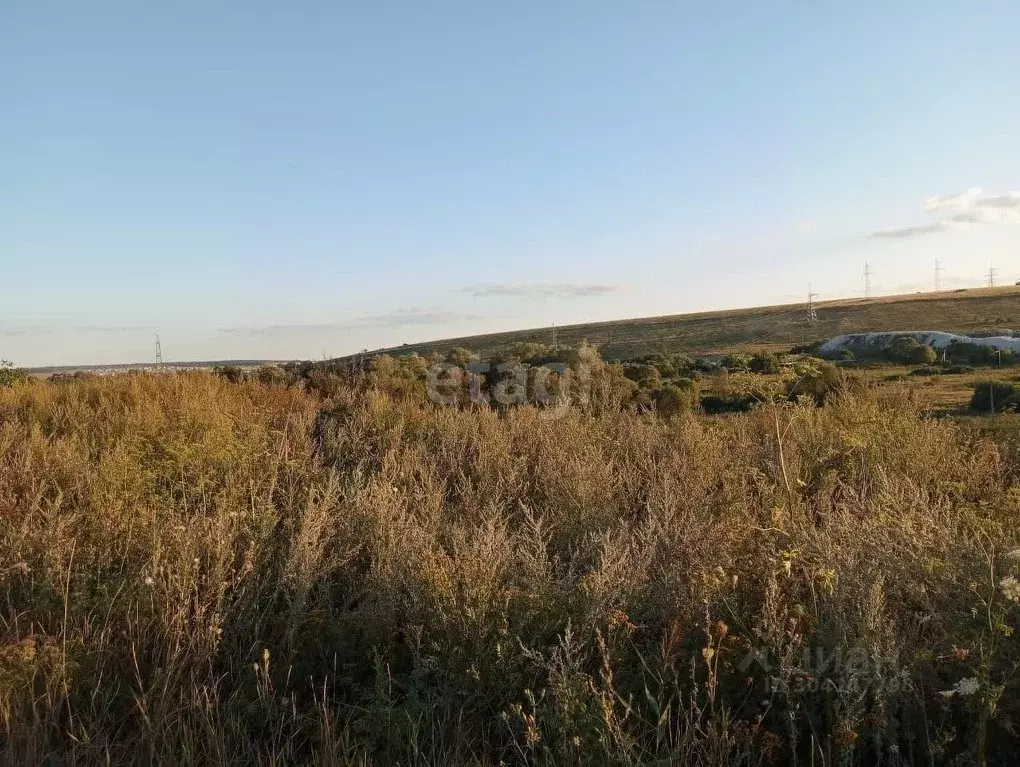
[{"x": 11, "y": 375}]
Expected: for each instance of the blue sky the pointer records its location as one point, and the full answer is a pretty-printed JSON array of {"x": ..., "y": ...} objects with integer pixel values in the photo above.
[{"x": 293, "y": 180}]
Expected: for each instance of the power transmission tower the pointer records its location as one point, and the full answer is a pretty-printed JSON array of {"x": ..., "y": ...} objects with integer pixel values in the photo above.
[
  {"x": 555, "y": 345},
  {"x": 938, "y": 276},
  {"x": 868, "y": 274},
  {"x": 159, "y": 354},
  {"x": 992, "y": 273},
  {"x": 812, "y": 312}
]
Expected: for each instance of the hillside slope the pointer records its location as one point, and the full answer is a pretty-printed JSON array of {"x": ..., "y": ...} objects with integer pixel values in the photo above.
[{"x": 962, "y": 312}]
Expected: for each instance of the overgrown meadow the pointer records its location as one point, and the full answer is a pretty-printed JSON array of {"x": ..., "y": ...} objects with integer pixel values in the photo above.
[{"x": 336, "y": 570}]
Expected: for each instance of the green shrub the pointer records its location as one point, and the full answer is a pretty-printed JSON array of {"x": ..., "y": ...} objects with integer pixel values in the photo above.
[
  {"x": 10, "y": 375},
  {"x": 77, "y": 375},
  {"x": 530, "y": 352},
  {"x": 717, "y": 403},
  {"x": 274, "y": 375},
  {"x": 820, "y": 381},
  {"x": 963, "y": 352},
  {"x": 907, "y": 350},
  {"x": 995, "y": 397},
  {"x": 812, "y": 348},
  {"x": 231, "y": 373},
  {"x": 737, "y": 362},
  {"x": 764, "y": 363},
  {"x": 668, "y": 365},
  {"x": 461, "y": 356},
  {"x": 645, "y": 376},
  {"x": 673, "y": 398}
]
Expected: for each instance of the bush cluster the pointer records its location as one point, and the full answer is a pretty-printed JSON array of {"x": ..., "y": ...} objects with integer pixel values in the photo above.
[
  {"x": 664, "y": 384},
  {"x": 907, "y": 350},
  {"x": 963, "y": 353},
  {"x": 11, "y": 375},
  {"x": 995, "y": 397}
]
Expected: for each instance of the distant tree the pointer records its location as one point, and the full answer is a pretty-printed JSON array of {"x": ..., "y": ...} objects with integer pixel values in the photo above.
[
  {"x": 274, "y": 375},
  {"x": 584, "y": 354},
  {"x": 683, "y": 364},
  {"x": 609, "y": 389},
  {"x": 461, "y": 356},
  {"x": 10, "y": 375},
  {"x": 673, "y": 398},
  {"x": 964, "y": 352},
  {"x": 415, "y": 365},
  {"x": 736, "y": 362},
  {"x": 78, "y": 375},
  {"x": 995, "y": 397},
  {"x": 716, "y": 403},
  {"x": 300, "y": 370},
  {"x": 385, "y": 366},
  {"x": 232, "y": 373},
  {"x": 530, "y": 351},
  {"x": 645, "y": 376},
  {"x": 764, "y": 363},
  {"x": 907, "y": 350},
  {"x": 812, "y": 348},
  {"x": 820, "y": 382}
]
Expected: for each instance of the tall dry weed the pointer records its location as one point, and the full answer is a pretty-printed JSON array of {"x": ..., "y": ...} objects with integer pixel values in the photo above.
[{"x": 195, "y": 572}]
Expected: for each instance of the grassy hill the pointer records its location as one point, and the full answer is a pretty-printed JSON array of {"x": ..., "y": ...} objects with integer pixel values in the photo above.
[{"x": 964, "y": 311}]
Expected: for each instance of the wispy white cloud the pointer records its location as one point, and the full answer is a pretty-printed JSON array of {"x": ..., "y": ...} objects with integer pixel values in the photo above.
[
  {"x": 999, "y": 209},
  {"x": 395, "y": 319},
  {"x": 117, "y": 328},
  {"x": 960, "y": 210},
  {"x": 541, "y": 290},
  {"x": 966, "y": 217},
  {"x": 962, "y": 201},
  {"x": 912, "y": 231},
  {"x": 11, "y": 331}
]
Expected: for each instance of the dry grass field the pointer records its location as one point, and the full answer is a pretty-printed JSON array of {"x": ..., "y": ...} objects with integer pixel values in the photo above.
[
  {"x": 194, "y": 572},
  {"x": 944, "y": 393},
  {"x": 774, "y": 327}
]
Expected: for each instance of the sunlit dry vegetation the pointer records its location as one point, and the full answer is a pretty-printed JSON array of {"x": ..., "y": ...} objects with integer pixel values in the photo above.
[{"x": 337, "y": 571}]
